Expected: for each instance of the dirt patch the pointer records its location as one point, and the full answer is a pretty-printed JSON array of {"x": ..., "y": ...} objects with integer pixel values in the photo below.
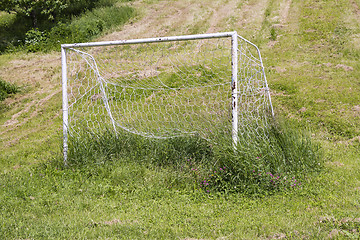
[
  {"x": 222, "y": 12},
  {"x": 22, "y": 63},
  {"x": 350, "y": 141},
  {"x": 356, "y": 8},
  {"x": 303, "y": 109},
  {"x": 334, "y": 233},
  {"x": 179, "y": 17},
  {"x": 112, "y": 222},
  {"x": 16, "y": 167},
  {"x": 338, "y": 66},
  {"x": 280, "y": 69},
  {"x": 31, "y": 69},
  {"x": 14, "y": 119},
  {"x": 194, "y": 239},
  {"x": 284, "y": 11},
  {"x": 357, "y": 138},
  {"x": 344, "y": 67},
  {"x": 327, "y": 64},
  {"x": 271, "y": 44},
  {"x": 37, "y": 104},
  {"x": 253, "y": 14},
  {"x": 327, "y": 219},
  {"x": 273, "y": 93},
  {"x": 356, "y": 41},
  {"x": 277, "y": 236},
  {"x": 336, "y": 164},
  {"x": 12, "y": 137},
  {"x": 339, "y": 226},
  {"x": 160, "y": 19},
  {"x": 39, "y": 78},
  {"x": 356, "y": 109}
]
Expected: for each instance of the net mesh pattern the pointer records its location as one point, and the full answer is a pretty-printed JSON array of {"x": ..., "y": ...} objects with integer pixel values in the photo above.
[{"x": 165, "y": 89}]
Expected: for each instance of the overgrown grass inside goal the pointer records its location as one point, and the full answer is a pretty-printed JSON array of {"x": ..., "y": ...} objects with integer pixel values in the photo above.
[{"x": 257, "y": 166}]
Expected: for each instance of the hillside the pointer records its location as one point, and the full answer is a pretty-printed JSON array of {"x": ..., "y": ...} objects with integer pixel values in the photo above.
[{"x": 311, "y": 54}]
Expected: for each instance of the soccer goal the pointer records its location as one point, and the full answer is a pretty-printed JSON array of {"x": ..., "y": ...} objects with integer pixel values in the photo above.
[{"x": 165, "y": 87}]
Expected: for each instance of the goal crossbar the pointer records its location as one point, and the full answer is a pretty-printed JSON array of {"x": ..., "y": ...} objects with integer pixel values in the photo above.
[{"x": 151, "y": 40}]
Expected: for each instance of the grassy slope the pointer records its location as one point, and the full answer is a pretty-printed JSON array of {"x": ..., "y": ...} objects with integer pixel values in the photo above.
[{"x": 313, "y": 70}]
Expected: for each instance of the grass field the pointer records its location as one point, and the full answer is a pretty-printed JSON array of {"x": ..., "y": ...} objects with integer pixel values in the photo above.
[{"x": 311, "y": 55}]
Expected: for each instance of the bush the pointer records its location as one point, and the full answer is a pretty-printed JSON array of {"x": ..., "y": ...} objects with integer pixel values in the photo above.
[{"x": 34, "y": 40}]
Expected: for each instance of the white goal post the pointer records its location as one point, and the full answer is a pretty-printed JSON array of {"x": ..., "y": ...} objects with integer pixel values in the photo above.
[{"x": 164, "y": 87}]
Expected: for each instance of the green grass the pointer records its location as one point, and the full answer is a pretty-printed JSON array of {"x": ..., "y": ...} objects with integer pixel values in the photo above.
[
  {"x": 129, "y": 197},
  {"x": 312, "y": 87}
]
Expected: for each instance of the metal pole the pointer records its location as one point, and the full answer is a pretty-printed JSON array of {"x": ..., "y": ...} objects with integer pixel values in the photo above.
[
  {"x": 150, "y": 40},
  {"x": 64, "y": 103},
  {"x": 234, "y": 87}
]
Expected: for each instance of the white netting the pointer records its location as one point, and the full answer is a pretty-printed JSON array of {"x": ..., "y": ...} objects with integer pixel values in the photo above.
[
  {"x": 253, "y": 93},
  {"x": 165, "y": 89}
]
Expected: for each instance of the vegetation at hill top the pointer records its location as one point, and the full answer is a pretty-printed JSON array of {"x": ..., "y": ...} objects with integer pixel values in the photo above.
[{"x": 43, "y": 25}]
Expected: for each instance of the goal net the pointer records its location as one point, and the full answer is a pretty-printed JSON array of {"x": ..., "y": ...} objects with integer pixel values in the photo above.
[{"x": 165, "y": 87}]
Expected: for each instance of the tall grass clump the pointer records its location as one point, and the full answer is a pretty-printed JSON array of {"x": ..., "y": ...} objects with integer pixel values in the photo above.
[
  {"x": 6, "y": 90},
  {"x": 278, "y": 162},
  {"x": 106, "y": 146}
]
